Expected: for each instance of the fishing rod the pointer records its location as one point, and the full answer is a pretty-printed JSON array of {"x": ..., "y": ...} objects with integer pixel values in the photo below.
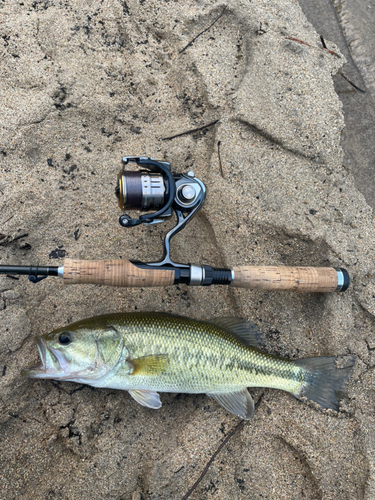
[{"x": 154, "y": 189}]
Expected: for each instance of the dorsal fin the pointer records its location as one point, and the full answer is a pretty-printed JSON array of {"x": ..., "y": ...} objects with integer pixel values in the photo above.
[{"x": 246, "y": 331}]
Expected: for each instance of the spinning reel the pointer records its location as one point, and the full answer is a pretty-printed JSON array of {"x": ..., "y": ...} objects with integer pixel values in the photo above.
[{"x": 156, "y": 188}]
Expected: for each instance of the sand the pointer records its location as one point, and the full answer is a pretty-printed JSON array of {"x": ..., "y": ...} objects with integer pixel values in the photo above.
[{"x": 84, "y": 83}]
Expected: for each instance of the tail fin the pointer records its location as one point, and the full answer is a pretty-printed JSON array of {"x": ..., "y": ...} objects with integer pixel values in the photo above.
[{"x": 323, "y": 382}]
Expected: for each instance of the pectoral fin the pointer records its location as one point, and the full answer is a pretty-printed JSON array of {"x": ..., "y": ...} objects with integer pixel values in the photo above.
[
  {"x": 146, "y": 398},
  {"x": 149, "y": 365},
  {"x": 239, "y": 403}
]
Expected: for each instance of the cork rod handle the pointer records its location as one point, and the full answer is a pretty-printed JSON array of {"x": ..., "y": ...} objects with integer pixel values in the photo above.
[
  {"x": 123, "y": 273},
  {"x": 114, "y": 273},
  {"x": 298, "y": 279}
]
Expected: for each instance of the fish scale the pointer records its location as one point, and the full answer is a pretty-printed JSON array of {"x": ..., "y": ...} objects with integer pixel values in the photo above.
[{"x": 147, "y": 353}]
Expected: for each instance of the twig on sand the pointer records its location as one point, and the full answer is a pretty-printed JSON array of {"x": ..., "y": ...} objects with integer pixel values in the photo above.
[
  {"x": 218, "y": 153},
  {"x": 308, "y": 45},
  {"x": 231, "y": 434},
  {"x": 189, "y": 131},
  {"x": 11, "y": 217},
  {"x": 5, "y": 241},
  {"x": 18, "y": 238},
  {"x": 324, "y": 47},
  {"x": 352, "y": 84},
  {"x": 204, "y": 31}
]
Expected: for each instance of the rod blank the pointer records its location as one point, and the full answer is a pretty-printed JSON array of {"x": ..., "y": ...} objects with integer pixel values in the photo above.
[{"x": 30, "y": 270}]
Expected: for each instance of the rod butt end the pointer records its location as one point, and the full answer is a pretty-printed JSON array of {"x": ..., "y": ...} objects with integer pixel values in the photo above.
[{"x": 343, "y": 279}]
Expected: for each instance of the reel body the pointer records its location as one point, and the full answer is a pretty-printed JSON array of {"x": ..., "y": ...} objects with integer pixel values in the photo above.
[{"x": 155, "y": 187}]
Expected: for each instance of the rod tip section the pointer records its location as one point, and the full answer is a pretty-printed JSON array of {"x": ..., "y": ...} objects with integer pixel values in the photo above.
[{"x": 343, "y": 280}]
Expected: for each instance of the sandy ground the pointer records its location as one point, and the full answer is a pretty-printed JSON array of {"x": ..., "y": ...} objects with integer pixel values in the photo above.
[
  {"x": 84, "y": 83},
  {"x": 351, "y": 26}
]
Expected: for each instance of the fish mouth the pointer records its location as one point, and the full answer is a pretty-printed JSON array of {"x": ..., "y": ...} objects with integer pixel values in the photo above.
[{"x": 50, "y": 366}]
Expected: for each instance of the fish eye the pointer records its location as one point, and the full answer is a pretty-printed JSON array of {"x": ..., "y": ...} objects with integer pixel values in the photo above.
[{"x": 65, "y": 338}]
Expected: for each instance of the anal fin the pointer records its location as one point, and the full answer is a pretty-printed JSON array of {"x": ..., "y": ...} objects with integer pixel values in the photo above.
[
  {"x": 239, "y": 403},
  {"x": 150, "y": 399}
]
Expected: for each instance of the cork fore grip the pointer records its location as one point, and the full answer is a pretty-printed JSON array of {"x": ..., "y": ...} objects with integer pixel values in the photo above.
[
  {"x": 299, "y": 279},
  {"x": 114, "y": 273}
]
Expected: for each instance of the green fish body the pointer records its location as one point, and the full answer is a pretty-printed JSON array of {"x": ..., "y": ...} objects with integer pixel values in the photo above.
[{"x": 147, "y": 353}]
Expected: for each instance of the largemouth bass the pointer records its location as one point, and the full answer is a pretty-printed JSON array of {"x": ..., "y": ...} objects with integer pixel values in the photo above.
[{"x": 147, "y": 353}]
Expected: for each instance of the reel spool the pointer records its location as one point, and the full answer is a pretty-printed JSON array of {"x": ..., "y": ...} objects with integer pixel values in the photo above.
[
  {"x": 155, "y": 187},
  {"x": 140, "y": 190}
]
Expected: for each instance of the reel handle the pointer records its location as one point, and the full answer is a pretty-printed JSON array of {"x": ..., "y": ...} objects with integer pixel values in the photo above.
[
  {"x": 123, "y": 273},
  {"x": 295, "y": 279}
]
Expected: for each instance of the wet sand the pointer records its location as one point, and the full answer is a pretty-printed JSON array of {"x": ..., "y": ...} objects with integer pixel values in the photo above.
[
  {"x": 85, "y": 83},
  {"x": 351, "y": 26}
]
